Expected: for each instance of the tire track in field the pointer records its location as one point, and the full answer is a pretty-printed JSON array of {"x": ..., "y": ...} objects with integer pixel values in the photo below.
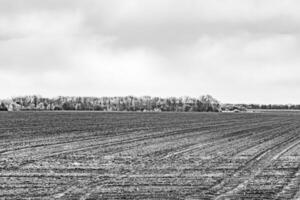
[
  {"x": 248, "y": 165},
  {"x": 220, "y": 123},
  {"x": 134, "y": 146},
  {"x": 260, "y": 138},
  {"x": 102, "y": 144},
  {"x": 55, "y": 144},
  {"x": 220, "y": 139},
  {"x": 285, "y": 150},
  {"x": 151, "y": 193},
  {"x": 89, "y": 138},
  {"x": 66, "y": 194},
  {"x": 124, "y": 132},
  {"x": 190, "y": 147},
  {"x": 96, "y": 137},
  {"x": 230, "y": 135},
  {"x": 95, "y": 187},
  {"x": 258, "y": 162},
  {"x": 297, "y": 195},
  {"x": 71, "y": 151},
  {"x": 83, "y": 191},
  {"x": 291, "y": 191},
  {"x": 121, "y": 142},
  {"x": 91, "y": 191},
  {"x": 92, "y": 137}
]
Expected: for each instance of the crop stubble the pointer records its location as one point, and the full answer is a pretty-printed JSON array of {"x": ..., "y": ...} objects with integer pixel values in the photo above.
[{"x": 96, "y": 155}]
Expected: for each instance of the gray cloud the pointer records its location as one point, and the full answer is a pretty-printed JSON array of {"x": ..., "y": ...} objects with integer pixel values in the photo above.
[{"x": 235, "y": 50}]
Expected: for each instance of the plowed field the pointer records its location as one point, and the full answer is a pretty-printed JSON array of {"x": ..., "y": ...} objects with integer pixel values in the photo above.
[{"x": 95, "y": 155}]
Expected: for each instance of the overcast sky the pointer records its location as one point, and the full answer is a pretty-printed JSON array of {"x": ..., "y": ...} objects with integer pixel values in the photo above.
[{"x": 238, "y": 51}]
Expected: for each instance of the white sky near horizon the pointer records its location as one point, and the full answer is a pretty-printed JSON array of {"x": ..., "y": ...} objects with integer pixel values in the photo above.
[{"x": 237, "y": 51}]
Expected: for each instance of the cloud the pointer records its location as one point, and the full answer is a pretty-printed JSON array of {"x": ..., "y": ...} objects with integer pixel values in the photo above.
[{"x": 234, "y": 50}]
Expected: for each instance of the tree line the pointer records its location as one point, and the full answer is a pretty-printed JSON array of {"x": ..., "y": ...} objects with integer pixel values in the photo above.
[
  {"x": 204, "y": 103},
  {"x": 244, "y": 107}
]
